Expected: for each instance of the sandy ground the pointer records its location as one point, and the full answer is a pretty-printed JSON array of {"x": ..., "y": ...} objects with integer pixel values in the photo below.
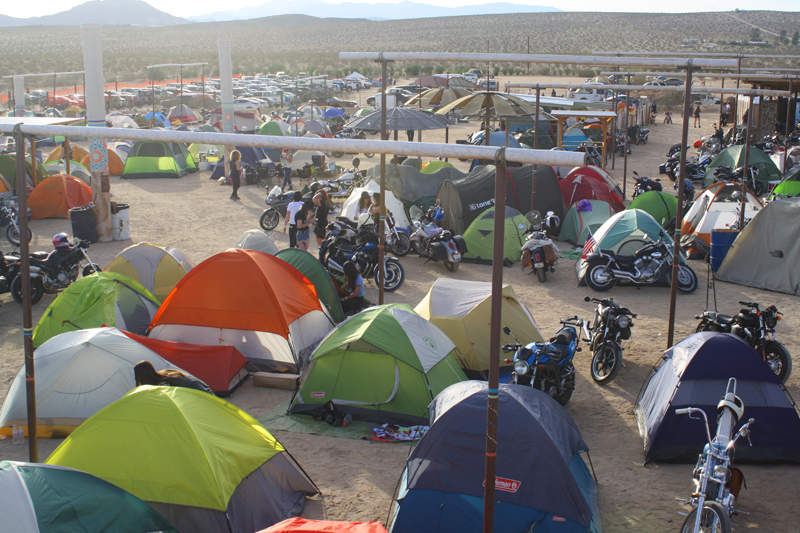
[{"x": 357, "y": 478}]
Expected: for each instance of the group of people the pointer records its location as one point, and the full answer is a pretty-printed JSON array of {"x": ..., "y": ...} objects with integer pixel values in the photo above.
[{"x": 302, "y": 215}]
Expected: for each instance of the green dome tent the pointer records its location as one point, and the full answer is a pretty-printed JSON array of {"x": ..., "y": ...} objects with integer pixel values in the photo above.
[
  {"x": 8, "y": 169},
  {"x": 385, "y": 364},
  {"x": 311, "y": 268},
  {"x": 432, "y": 166},
  {"x": 270, "y": 128},
  {"x": 733, "y": 157},
  {"x": 480, "y": 237},
  {"x": 104, "y": 298},
  {"x": 659, "y": 205},
  {"x": 203, "y": 463},
  {"x": 38, "y": 497},
  {"x": 578, "y": 224},
  {"x": 790, "y": 185},
  {"x": 156, "y": 159}
]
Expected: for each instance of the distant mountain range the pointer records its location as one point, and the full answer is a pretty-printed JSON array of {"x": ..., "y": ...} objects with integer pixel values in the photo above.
[
  {"x": 140, "y": 13},
  {"x": 362, "y": 10},
  {"x": 132, "y": 12}
]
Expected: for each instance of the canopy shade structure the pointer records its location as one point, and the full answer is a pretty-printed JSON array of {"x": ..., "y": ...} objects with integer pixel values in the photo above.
[
  {"x": 436, "y": 98},
  {"x": 401, "y": 119},
  {"x": 489, "y": 104}
]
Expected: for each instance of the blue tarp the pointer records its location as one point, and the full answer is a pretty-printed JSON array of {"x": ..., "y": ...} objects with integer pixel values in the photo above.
[
  {"x": 695, "y": 373},
  {"x": 543, "y": 484},
  {"x": 333, "y": 112},
  {"x": 161, "y": 120}
]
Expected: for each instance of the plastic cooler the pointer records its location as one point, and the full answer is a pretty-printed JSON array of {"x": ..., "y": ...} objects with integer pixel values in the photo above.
[
  {"x": 721, "y": 242},
  {"x": 83, "y": 223}
]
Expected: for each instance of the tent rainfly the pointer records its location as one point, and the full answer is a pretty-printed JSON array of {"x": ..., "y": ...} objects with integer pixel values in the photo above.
[{"x": 157, "y": 268}]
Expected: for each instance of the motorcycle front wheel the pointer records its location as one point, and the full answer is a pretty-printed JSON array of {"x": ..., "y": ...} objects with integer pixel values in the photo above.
[
  {"x": 713, "y": 519},
  {"x": 451, "y": 266},
  {"x": 369, "y": 154},
  {"x": 758, "y": 187},
  {"x": 37, "y": 290},
  {"x": 779, "y": 359},
  {"x": 599, "y": 278},
  {"x": 337, "y": 155},
  {"x": 395, "y": 275},
  {"x": 606, "y": 363},
  {"x": 88, "y": 270},
  {"x": 569, "y": 385},
  {"x": 12, "y": 234},
  {"x": 400, "y": 244},
  {"x": 269, "y": 219},
  {"x": 687, "y": 279}
]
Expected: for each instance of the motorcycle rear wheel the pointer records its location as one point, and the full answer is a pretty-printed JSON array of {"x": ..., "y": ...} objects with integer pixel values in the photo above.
[
  {"x": 451, "y": 266},
  {"x": 779, "y": 359},
  {"x": 606, "y": 363},
  {"x": 12, "y": 234},
  {"x": 541, "y": 273},
  {"x": 395, "y": 275},
  {"x": 714, "y": 519},
  {"x": 37, "y": 290},
  {"x": 269, "y": 219},
  {"x": 401, "y": 244},
  {"x": 598, "y": 278}
]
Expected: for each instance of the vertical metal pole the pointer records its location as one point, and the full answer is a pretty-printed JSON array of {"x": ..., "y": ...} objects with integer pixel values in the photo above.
[
  {"x": 614, "y": 132},
  {"x": 736, "y": 111},
  {"x": 673, "y": 291},
  {"x": 203, "y": 84},
  {"x": 381, "y": 231},
  {"x": 33, "y": 162},
  {"x": 19, "y": 96},
  {"x": 746, "y": 161},
  {"x": 627, "y": 140},
  {"x": 25, "y": 273},
  {"x": 67, "y": 153},
  {"x": 721, "y": 102},
  {"x": 788, "y": 129},
  {"x": 494, "y": 347},
  {"x": 54, "y": 91},
  {"x": 181, "y": 108},
  {"x": 535, "y": 146}
]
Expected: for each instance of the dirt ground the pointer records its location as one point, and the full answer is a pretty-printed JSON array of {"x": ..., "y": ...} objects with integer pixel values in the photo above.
[{"x": 357, "y": 478}]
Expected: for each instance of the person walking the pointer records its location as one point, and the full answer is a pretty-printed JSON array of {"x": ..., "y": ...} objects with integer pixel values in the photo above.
[
  {"x": 697, "y": 117},
  {"x": 303, "y": 221},
  {"x": 321, "y": 215},
  {"x": 286, "y": 163},
  {"x": 235, "y": 173},
  {"x": 291, "y": 210}
]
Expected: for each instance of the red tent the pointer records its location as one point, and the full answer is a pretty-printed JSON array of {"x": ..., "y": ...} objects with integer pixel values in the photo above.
[
  {"x": 301, "y": 525},
  {"x": 591, "y": 183},
  {"x": 223, "y": 368}
]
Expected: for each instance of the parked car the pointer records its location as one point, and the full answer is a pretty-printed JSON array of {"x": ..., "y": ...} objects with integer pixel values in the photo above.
[
  {"x": 656, "y": 83},
  {"x": 675, "y": 82},
  {"x": 248, "y": 104},
  {"x": 344, "y": 104}
]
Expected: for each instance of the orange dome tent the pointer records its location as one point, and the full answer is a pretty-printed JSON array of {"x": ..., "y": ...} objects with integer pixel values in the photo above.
[
  {"x": 115, "y": 164},
  {"x": 250, "y": 300},
  {"x": 56, "y": 195},
  {"x": 78, "y": 153},
  {"x": 5, "y": 186}
]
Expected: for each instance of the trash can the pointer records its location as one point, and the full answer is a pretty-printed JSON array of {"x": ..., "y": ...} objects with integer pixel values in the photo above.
[
  {"x": 83, "y": 223},
  {"x": 120, "y": 227},
  {"x": 721, "y": 242}
]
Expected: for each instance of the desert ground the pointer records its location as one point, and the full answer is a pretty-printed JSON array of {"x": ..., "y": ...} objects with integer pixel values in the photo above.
[{"x": 358, "y": 478}]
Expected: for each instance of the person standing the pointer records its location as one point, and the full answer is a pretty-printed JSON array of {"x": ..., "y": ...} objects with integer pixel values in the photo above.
[
  {"x": 303, "y": 220},
  {"x": 286, "y": 163},
  {"x": 723, "y": 115},
  {"x": 291, "y": 210},
  {"x": 697, "y": 117},
  {"x": 235, "y": 173},
  {"x": 363, "y": 204},
  {"x": 321, "y": 215}
]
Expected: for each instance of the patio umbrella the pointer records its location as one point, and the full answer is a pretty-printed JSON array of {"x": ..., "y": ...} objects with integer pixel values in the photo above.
[
  {"x": 400, "y": 119},
  {"x": 490, "y": 105},
  {"x": 438, "y": 97}
]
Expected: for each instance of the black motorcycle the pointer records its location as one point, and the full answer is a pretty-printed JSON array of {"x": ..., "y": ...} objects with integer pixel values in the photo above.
[
  {"x": 593, "y": 156},
  {"x": 648, "y": 265},
  {"x": 360, "y": 245},
  {"x": 9, "y": 270},
  {"x": 350, "y": 133},
  {"x": 56, "y": 270},
  {"x": 277, "y": 202},
  {"x": 645, "y": 184},
  {"x": 10, "y": 221},
  {"x": 757, "y": 328},
  {"x": 611, "y": 325},
  {"x": 728, "y": 175}
]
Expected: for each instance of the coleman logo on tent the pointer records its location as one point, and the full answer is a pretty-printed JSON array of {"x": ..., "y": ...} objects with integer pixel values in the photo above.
[
  {"x": 776, "y": 253},
  {"x": 429, "y": 343},
  {"x": 481, "y": 205},
  {"x": 318, "y": 394},
  {"x": 508, "y": 485}
]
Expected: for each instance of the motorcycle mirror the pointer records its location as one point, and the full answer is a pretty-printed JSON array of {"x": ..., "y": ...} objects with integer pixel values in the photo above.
[
  {"x": 587, "y": 299},
  {"x": 578, "y": 349},
  {"x": 506, "y": 330},
  {"x": 635, "y": 173}
]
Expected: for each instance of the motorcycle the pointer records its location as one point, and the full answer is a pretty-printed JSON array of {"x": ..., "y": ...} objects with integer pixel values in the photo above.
[
  {"x": 695, "y": 169},
  {"x": 647, "y": 265},
  {"x": 645, "y": 184},
  {"x": 10, "y": 221},
  {"x": 639, "y": 134},
  {"x": 611, "y": 325},
  {"x": 436, "y": 244},
  {"x": 398, "y": 242},
  {"x": 349, "y": 133},
  {"x": 688, "y": 193},
  {"x": 623, "y": 144},
  {"x": 717, "y": 483},
  {"x": 725, "y": 174},
  {"x": 56, "y": 270},
  {"x": 9, "y": 270},
  {"x": 342, "y": 244},
  {"x": 593, "y": 156},
  {"x": 539, "y": 251},
  {"x": 276, "y": 210},
  {"x": 547, "y": 366},
  {"x": 757, "y": 328}
]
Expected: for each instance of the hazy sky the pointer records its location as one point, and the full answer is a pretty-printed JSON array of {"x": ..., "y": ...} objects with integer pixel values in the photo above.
[{"x": 16, "y": 8}]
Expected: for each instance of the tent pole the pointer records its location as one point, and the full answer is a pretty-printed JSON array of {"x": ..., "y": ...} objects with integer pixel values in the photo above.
[
  {"x": 788, "y": 129},
  {"x": 746, "y": 162},
  {"x": 676, "y": 258},
  {"x": 494, "y": 344},
  {"x": 382, "y": 217},
  {"x": 25, "y": 273}
]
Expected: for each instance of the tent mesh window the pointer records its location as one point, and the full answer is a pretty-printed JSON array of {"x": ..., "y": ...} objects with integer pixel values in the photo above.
[{"x": 151, "y": 150}]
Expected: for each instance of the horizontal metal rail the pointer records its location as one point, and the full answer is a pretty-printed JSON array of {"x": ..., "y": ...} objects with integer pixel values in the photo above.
[{"x": 669, "y": 88}]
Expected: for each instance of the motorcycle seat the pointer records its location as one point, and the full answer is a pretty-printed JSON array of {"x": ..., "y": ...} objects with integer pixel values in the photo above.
[
  {"x": 565, "y": 337},
  {"x": 346, "y": 246},
  {"x": 625, "y": 258},
  {"x": 558, "y": 353},
  {"x": 719, "y": 317}
]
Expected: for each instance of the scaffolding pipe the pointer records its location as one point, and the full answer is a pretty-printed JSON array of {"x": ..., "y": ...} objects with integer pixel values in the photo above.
[
  {"x": 695, "y": 54},
  {"x": 705, "y": 75},
  {"x": 536, "y": 58},
  {"x": 41, "y": 74},
  {"x": 638, "y": 88},
  {"x": 520, "y": 155},
  {"x": 19, "y": 96}
]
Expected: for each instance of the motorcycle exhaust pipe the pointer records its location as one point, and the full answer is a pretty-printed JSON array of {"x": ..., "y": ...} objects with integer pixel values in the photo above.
[
  {"x": 622, "y": 274},
  {"x": 36, "y": 272},
  {"x": 336, "y": 267}
]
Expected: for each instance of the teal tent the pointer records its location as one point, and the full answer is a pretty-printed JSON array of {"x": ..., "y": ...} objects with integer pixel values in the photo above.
[
  {"x": 479, "y": 237},
  {"x": 311, "y": 268},
  {"x": 733, "y": 157},
  {"x": 659, "y": 205},
  {"x": 580, "y": 223}
]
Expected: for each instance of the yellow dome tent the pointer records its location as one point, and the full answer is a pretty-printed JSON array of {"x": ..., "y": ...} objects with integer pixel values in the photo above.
[
  {"x": 157, "y": 268},
  {"x": 78, "y": 153}
]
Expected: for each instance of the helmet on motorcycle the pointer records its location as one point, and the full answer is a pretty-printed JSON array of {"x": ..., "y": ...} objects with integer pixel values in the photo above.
[
  {"x": 698, "y": 143},
  {"x": 438, "y": 214},
  {"x": 551, "y": 222},
  {"x": 61, "y": 241},
  {"x": 735, "y": 405},
  {"x": 356, "y": 162}
]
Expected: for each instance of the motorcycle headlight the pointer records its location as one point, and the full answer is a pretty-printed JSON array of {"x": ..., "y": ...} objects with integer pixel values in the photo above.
[
  {"x": 623, "y": 321},
  {"x": 521, "y": 367}
]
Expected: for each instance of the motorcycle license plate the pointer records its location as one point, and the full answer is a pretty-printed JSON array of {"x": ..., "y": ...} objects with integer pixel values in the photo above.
[
  {"x": 456, "y": 256},
  {"x": 538, "y": 265}
]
